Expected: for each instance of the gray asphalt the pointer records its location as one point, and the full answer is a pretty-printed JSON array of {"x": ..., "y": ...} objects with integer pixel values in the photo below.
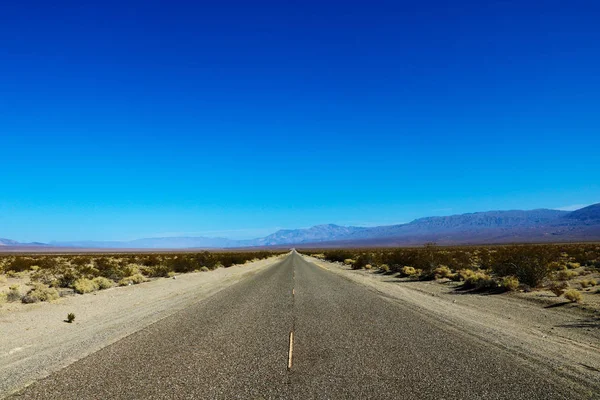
[{"x": 349, "y": 343}]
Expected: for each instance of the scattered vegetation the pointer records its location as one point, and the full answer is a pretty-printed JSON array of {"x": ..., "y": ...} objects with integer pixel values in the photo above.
[
  {"x": 85, "y": 273},
  {"x": 509, "y": 267}
]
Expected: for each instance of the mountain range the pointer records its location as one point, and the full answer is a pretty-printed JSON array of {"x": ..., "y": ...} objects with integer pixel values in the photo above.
[{"x": 541, "y": 225}]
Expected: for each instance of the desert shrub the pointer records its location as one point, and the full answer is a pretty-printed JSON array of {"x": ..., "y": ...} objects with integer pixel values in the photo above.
[
  {"x": 84, "y": 285},
  {"x": 409, "y": 271},
  {"x": 103, "y": 283},
  {"x": 465, "y": 274},
  {"x": 14, "y": 294},
  {"x": 132, "y": 280},
  {"x": 566, "y": 275},
  {"x": 573, "y": 296},
  {"x": 40, "y": 292},
  {"x": 360, "y": 262},
  {"x": 558, "y": 288},
  {"x": 510, "y": 283},
  {"x": 70, "y": 318},
  {"x": 368, "y": 266},
  {"x": 349, "y": 261},
  {"x": 480, "y": 280},
  {"x": 204, "y": 269},
  {"x": 573, "y": 265},
  {"x": 530, "y": 264},
  {"x": 384, "y": 268},
  {"x": 442, "y": 272}
]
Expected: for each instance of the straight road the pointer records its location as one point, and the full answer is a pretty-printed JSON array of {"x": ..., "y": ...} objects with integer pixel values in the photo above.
[{"x": 349, "y": 342}]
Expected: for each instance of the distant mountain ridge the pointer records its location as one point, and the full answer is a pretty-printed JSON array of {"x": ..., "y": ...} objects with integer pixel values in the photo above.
[{"x": 541, "y": 225}]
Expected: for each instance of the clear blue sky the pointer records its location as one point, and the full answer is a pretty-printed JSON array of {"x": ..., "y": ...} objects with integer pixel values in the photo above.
[{"x": 121, "y": 120}]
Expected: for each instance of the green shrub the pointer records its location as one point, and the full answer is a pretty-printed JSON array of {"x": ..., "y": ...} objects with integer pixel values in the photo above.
[{"x": 70, "y": 317}]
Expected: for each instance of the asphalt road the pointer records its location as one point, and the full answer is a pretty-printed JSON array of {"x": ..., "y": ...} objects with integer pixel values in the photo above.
[{"x": 348, "y": 343}]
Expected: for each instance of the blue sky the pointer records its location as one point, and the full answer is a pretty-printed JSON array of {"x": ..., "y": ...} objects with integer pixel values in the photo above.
[{"x": 121, "y": 120}]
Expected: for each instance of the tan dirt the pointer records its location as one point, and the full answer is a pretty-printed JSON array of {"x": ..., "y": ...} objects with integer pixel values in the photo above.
[
  {"x": 563, "y": 336},
  {"x": 35, "y": 340}
]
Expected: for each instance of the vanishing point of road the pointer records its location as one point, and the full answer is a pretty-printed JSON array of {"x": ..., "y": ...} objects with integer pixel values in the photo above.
[{"x": 297, "y": 331}]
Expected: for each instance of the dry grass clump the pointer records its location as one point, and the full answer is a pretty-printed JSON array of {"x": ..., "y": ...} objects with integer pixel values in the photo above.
[
  {"x": 573, "y": 265},
  {"x": 132, "y": 280},
  {"x": 368, "y": 266},
  {"x": 40, "y": 292},
  {"x": 204, "y": 269},
  {"x": 349, "y": 261},
  {"x": 384, "y": 268},
  {"x": 573, "y": 296}
]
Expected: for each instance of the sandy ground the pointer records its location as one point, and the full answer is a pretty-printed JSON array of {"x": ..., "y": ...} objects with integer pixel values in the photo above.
[
  {"x": 564, "y": 337},
  {"x": 36, "y": 341}
]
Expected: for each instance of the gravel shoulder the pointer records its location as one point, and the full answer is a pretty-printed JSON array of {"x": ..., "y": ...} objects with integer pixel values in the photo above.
[
  {"x": 36, "y": 341},
  {"x": 565, "y": 338}
]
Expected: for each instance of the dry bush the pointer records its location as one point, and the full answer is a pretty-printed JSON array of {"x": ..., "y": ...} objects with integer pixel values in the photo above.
[
  {"x": 204, "y": 269},
  {"x": 368, "y": 266},
  {"x": 84, "y": 285},
  {"x": 566, "y": 275},
  {"x": 132, "y": 280},
  {"x": 510, "y": 283},
  {"x": 14, "y": 294},
  {"x": 103, "y": 283},
  {"x": 465, "y": 274},
  {"x": 384, "y": 268},
  {"x": 40, "y": 292},
  {"x": 573, "y": 296},
  {"x": 349, "y": 261},
  {"x": 588, "y": 282},
  {"x": 558, "y": 288},
  {"x": 442, "y": 272},
  {"x": 410, "y": 271},
  {"x": 573, "y": 265},
  {"x": 480, "y": 280}
]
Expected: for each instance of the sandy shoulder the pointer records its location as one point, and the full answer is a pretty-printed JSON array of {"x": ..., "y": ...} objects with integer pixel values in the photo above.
[
  {"x": 35, "y": 341},
  {"x": 564, "y": 339}
]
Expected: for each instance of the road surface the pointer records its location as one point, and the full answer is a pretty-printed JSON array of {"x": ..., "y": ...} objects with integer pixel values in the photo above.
[{"x": 295, "y": 330}]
